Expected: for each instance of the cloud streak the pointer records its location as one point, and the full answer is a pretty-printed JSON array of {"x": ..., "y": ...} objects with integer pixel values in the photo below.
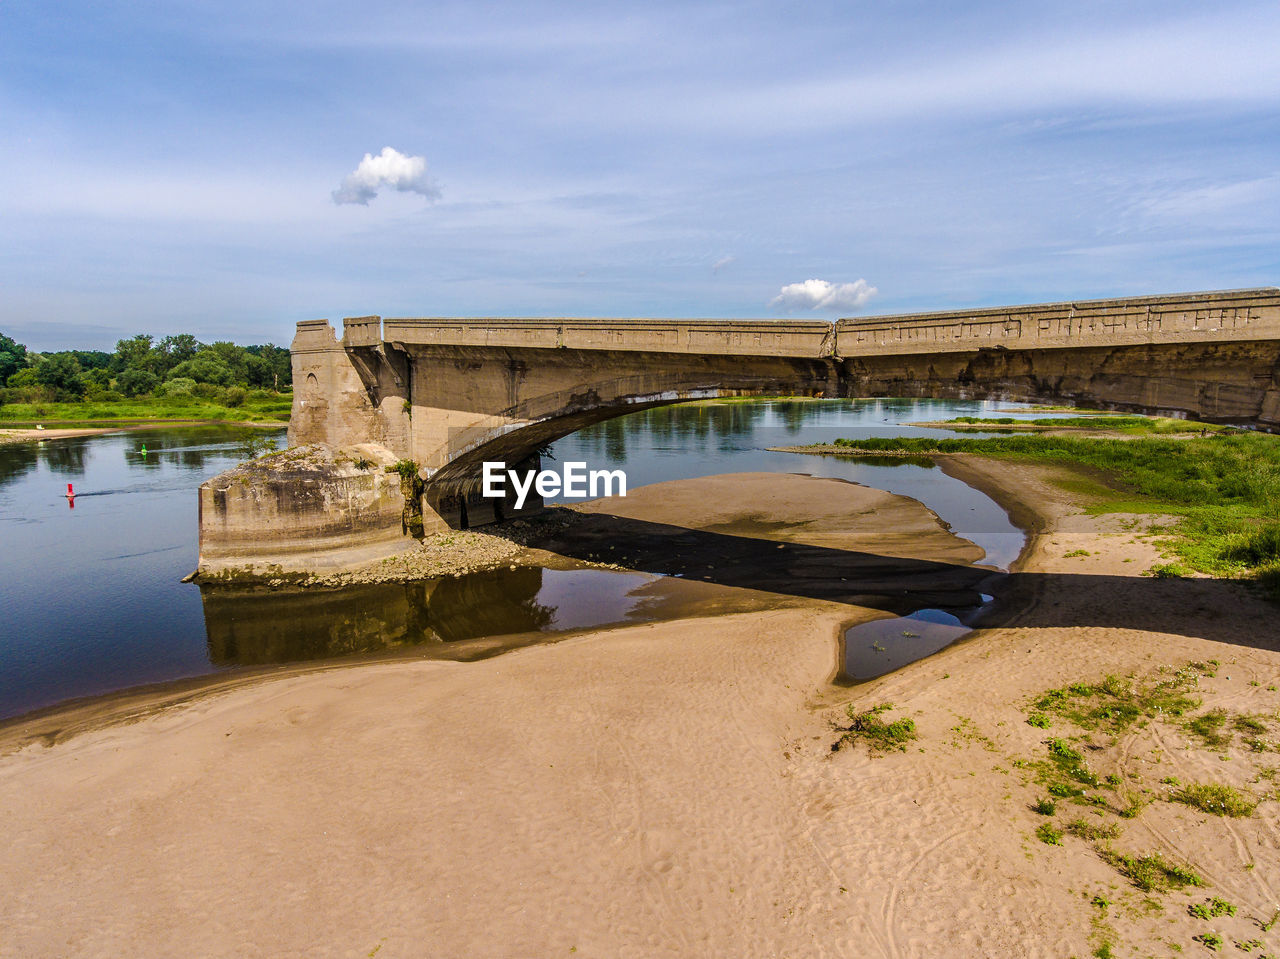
[
  {"x": 822, "y": 295},
  {"x": 391, "y": 169}
]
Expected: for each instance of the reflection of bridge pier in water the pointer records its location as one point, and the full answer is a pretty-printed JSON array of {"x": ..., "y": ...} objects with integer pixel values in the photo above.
[{"x": 257, "y": 626}]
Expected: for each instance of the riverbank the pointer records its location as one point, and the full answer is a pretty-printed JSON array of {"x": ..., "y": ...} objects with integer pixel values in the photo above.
[
  {"x": 30, "y": 434},
  {"x": 1221, "y": 491},
  {"x": 670, "y": 789}
]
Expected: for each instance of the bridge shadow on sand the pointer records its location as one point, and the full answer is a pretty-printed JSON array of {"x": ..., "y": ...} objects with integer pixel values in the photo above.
[
  {"x": 484, "y": 613},
  {"x": 1204, "y": 608}
]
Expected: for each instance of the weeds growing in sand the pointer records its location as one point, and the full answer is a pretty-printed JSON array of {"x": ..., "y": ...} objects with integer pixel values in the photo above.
[
  {"x": 1115, "y": 704},
  {"x": 1211, "y": 908},
  {"x": 1134, "y": 803},
  {"x": 1245, "y": 723},
  {"x": 1211, "y": 940},
  {"x": 1216, "y": 799},
  {"x": 1093, "y": 831},
  {"x": 1208, "y": 726},
  {"x": 1045, "y": 807},
  {"x": 1048, "y": 835},
  {"x": 879, "y": 735},
  {"x": 1039, "y": 720},
  {"x": 1151, "y": 873}
]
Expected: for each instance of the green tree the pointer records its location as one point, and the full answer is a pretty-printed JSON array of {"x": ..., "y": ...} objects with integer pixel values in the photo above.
[
  {"x": 205, "y": 368},
  {"x": 13, "y": 357},
  {"x": 279, "y": 366},
  {"x": 176, "y": 349},
  {"x": 60, "y": 372},
  {"x": 91, "y": 359},
  {"x": 134, "y": 354},
  {"x": 230, "y": 356},
  {"x": 135, "y": 382}
]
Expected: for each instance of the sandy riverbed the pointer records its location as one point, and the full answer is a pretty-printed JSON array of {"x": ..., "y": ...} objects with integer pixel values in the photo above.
[{"x": 658, "y": 790}]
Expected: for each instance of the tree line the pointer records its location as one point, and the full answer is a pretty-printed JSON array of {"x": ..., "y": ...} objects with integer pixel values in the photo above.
[{"x": 178, "y": 365}]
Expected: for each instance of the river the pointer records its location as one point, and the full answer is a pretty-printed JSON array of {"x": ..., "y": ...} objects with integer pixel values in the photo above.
[{"x": 91, "y": 598}]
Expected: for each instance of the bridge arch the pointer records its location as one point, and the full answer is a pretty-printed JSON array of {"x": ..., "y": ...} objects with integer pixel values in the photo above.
[{"x": 450, "y": 394}]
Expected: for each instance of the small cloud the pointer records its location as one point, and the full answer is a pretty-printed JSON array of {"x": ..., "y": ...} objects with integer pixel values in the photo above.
[
  {"x": 821, "y": 295},
  {"x": 390, "y": 168},
  {"x": 721, "y": 263}
]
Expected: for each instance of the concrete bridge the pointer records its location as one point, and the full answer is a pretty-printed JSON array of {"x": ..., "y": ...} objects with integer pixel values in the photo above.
[{"x": 448, "y": 394}]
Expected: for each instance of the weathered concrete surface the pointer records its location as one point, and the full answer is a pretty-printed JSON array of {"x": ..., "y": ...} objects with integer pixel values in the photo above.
[
  {"x": 449, "y": 394},
  {"x": 304, "y": 508},
  {"x": 1214, "y": 382}
]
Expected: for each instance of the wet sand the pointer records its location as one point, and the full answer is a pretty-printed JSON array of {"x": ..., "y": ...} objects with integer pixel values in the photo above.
[{"x": 657, "y": 790}]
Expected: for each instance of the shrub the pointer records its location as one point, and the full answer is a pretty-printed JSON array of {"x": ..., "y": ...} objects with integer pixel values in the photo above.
[
  {"x": 178, "y": 386},
  {"x": 1259, "y": 547},
  {"x": 236, "y": 396},
  {"x": 879, "y": 735}
]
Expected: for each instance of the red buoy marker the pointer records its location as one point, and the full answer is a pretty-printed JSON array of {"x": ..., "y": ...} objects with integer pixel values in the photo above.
[{"x": 71, "y": 494}]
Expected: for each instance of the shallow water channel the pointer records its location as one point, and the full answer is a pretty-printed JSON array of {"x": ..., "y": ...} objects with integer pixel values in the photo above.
[{"x": 91, "y": 598}]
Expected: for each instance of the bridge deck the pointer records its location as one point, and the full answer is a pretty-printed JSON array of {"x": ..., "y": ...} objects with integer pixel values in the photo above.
[{"x": 1191, "y": 317}]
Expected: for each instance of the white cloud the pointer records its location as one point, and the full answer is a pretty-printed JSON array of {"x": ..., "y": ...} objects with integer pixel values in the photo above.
[
  {"x": 390, "y": 168},
  {"x": 821, "y": 295},
  {"x": 722, "y": 263}
]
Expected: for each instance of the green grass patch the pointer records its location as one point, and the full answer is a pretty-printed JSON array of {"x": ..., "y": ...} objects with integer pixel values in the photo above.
[
  {"x": 1048, "y": 835},
  {"x": 1216, "y": 799},
  {"x": 1224, "y": 489},
  {"x": 878, "y": 735},
  {"x": 1116, "y": 703},
  {"x": 1244, "y": 723},
  {"x": 1093, "y": 831},
  {"x": 1209, "y": 728},
  {"x": 1151, "y": 873},
  {"x": 1130, "y": 425},
  {"x": 258, "y": 406}
]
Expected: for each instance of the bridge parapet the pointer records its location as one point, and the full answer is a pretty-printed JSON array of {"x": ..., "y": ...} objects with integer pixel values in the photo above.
[
  {"x": 358, "y": 331},
  {"x": 1222, "y": 316},
  {"x": 806, "y": 339}
]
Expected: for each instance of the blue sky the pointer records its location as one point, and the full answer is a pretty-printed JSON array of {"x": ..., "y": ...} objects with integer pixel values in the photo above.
[{"x": 172, "y": 166}]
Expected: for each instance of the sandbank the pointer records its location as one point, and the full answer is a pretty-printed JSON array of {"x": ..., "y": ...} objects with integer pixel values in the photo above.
[{"x": 666, "y": 789}]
